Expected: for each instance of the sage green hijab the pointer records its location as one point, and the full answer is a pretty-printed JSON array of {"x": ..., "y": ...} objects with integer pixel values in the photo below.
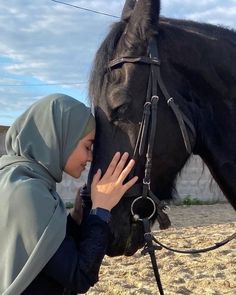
[{"x": 32, "y": 215}]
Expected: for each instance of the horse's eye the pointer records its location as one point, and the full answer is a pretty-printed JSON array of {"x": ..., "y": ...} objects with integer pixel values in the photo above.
[
  {"x": 115, "y": 76},
  {"x": 122, "y": 109},
  {"x": 119, "y": 112}
]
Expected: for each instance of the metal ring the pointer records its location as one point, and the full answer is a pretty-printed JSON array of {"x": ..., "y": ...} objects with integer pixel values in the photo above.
[
  {"x": 155, "y": 97},
  {"x": 170, "y": 100},
  {"x": 146, "y": 182},
  {"x": 166, "y": 209},
  {"x": 147, "y": 103},
  {"x": 136, "y": 216}
]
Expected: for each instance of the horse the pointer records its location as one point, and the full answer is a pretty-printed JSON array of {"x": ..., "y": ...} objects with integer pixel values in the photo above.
[{"x": 198, "y": 68}]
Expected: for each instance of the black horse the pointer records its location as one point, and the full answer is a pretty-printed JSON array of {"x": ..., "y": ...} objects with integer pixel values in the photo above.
[{"x": 198, "y": 67}]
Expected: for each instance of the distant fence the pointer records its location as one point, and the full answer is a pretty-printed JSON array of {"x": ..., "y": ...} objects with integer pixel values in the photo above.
[{"x": 195, "y": 180}]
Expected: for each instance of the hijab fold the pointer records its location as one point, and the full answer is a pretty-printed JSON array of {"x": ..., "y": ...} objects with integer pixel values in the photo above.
[{"x": 32, "y": 214}]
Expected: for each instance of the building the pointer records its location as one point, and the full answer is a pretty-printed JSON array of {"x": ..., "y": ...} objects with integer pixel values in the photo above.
[{"x": 3, "y": 131}]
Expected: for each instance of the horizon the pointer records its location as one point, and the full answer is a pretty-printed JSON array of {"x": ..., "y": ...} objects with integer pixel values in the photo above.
[{"x": 48, "y": 47}]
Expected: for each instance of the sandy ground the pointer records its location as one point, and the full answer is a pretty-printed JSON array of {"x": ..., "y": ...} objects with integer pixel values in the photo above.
[{"x": 192, "y": 227}]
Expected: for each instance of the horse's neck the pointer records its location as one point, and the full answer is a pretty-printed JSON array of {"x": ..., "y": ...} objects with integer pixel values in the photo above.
[{"x": 219, "y": 153}]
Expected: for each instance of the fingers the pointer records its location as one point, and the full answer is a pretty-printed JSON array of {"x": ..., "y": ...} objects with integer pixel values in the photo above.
[
  {"x": 126, "y": 171},
  {"x": 112, "y": 165},
  {"x": 97, "y": 177},
  {"x": 130, "y": 183},
  {"x": 116, "y": 173},
  {"x": 120, "y": 166}
]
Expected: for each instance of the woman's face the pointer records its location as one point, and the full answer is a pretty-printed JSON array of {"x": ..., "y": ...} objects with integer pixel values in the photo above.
[{"x": 82, "y": 154}]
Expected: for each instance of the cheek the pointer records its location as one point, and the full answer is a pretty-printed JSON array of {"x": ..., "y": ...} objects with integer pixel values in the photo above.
[{"x": 83, "y": 156}]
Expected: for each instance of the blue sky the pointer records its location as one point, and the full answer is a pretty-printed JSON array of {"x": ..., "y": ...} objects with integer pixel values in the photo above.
[{"x": 43, "y": 42}]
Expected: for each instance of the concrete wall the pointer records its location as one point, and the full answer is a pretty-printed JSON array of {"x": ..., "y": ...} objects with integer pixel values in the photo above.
[
  {"x": 2, "y": 146},
  {"x": 3, "y": 130},
  {"x": 195, "y": 180},
  {"x": 69, "y": 186}
]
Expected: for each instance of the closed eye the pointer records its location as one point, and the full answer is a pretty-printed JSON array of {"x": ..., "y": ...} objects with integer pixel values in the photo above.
[
  {"x": 122, "y": 109},
  {"x": 90, "y": 147},
  {"x": 119, "y": 112},
  {"x": 115, "y": 76}
]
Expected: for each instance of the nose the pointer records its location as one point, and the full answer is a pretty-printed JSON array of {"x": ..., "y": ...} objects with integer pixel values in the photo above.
[{"x": 90, "y": 156}]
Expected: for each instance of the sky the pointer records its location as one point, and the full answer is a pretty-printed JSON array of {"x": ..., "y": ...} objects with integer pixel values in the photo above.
[{"x": 47, "y": 47}]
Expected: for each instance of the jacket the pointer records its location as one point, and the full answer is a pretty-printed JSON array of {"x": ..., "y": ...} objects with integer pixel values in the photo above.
[{"x": 75, "y": 266}]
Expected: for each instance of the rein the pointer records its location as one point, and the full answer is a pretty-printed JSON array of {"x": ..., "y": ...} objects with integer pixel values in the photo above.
[{"x": 146, "y": 134}]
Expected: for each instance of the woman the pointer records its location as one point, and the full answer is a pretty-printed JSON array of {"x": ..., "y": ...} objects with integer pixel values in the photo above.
[{"x": 42, "y": 250}]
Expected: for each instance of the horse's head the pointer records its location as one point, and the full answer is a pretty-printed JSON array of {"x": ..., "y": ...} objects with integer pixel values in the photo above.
[{"x": 118, "y": 94}]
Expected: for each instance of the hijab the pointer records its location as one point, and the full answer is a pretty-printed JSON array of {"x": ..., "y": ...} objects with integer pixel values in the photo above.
[{"x": 32, "y": 215}]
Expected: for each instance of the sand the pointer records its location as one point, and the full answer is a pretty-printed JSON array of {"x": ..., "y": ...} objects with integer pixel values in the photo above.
[{"x": 192, "y": 227}]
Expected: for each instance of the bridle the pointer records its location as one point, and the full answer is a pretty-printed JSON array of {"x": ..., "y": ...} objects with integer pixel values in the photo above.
[
  {"x": 145, "y": 142},
  {"x": 147, "y": 130},
  {"x": 152, "y": 96},
  {"x": 146, "y": 137}
]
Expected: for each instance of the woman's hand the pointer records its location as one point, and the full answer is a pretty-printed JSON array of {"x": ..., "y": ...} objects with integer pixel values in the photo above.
[
  {"x": 77, "y": 211},
  {"x": 107, "y": 191}
]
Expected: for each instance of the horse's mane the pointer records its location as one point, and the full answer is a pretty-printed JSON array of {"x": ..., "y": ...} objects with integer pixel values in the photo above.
[
  {"x": 106, "y": 51},
  {"x": 210, "y": 30},
  {"x": 102, "y": 58}
]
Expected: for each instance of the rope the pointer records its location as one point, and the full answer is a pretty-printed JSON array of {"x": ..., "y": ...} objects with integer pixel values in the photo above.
[{"x": 197, "y": 251}]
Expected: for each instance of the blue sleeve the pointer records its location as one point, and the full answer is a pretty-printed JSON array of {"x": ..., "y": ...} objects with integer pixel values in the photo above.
[{"x": 76, "y": 263}]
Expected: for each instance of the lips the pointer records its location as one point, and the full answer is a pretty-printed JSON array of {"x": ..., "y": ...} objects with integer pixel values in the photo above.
[
  {"x": 135, "y": 241},
  {"x": 127, "y": 247}
]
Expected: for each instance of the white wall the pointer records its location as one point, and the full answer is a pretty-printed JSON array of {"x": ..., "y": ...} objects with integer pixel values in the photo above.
[
  {"x": 2, "y": 143},
  {"x": 195, "y": 181},
  {"x": 69, "y": 186}
]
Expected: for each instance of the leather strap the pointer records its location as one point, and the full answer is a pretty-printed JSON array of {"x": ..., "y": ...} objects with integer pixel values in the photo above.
[{"x": 141, "y": 59}]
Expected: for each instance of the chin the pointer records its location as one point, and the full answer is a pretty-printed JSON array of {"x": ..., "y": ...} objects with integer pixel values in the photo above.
[
  {"x": 78, "y": 174},
  {"x": 113, "y": 251},
  {"x": 127, "y": 248}
]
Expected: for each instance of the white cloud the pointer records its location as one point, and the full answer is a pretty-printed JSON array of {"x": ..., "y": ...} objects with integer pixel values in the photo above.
[{"x": 44, "y": 41}]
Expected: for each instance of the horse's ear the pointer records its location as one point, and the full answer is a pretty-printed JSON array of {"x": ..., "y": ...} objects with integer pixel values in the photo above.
[
  {"x": 128, "y": 9},
  {"x": 143, "y": 22}
]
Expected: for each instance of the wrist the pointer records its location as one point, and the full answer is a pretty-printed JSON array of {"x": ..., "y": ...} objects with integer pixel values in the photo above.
[
  {"x": 94, "y": 206},
  {"x": 101, "y": 205},
  {"x": 102, "y": 213}
]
